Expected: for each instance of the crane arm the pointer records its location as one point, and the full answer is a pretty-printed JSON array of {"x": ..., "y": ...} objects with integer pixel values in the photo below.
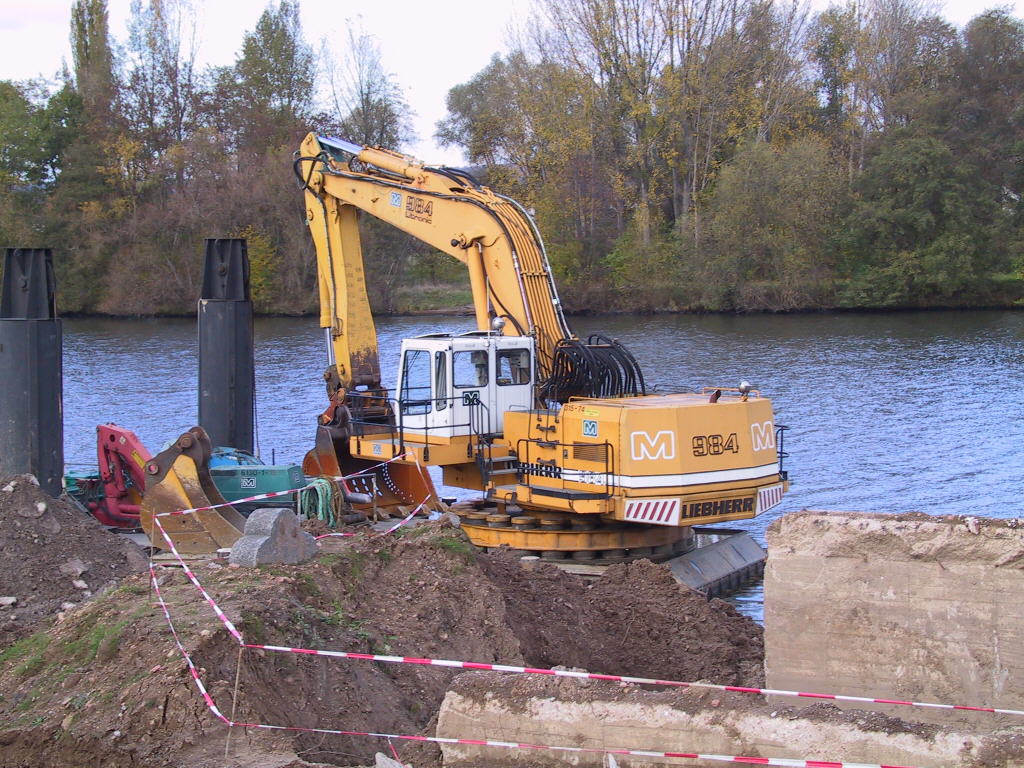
[{"x": 492, "y": 235}]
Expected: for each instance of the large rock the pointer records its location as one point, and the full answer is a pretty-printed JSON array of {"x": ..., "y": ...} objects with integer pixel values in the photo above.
[{"x": 273, "y": 535}]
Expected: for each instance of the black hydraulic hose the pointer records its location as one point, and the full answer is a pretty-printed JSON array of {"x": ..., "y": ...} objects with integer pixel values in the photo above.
[
  {"x": 463, "y": 180},
  {"x": 304, "y": 182},
  {"x": 599, "y": 367}
]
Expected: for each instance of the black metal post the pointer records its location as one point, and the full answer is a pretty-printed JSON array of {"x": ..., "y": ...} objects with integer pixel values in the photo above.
[
  {"x": 226, "y": 367},
  {"x": 31, "y": 384}
]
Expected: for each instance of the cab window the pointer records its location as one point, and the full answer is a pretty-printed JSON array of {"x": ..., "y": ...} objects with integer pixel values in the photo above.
[
  {"x": 469, "y": 368},
  {"x": 416, "y": 382},
  {"x": 441, "y": 380},
  {"x": 513, "y": 367}
]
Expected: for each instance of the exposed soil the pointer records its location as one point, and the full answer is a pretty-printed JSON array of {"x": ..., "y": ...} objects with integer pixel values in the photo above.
[
  {"x": 52, "y": 556},
  {"x": 635, "y": 620},
  {"x": 106, "y": 685}
]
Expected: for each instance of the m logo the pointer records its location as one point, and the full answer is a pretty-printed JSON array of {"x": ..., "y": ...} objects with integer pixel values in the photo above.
[
  {"x": 763, "y": 436},
  {"x": 590, "y": 427},
  {"x": 661, "y": 446},
  {"x": 471, "y": 398}
]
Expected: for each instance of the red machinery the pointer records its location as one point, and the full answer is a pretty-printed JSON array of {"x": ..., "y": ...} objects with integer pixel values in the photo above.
[{"x": 122, "y": 460}]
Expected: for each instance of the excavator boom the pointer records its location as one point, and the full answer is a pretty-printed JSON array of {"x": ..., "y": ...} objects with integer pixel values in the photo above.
[{"x": 492, "y": 235}]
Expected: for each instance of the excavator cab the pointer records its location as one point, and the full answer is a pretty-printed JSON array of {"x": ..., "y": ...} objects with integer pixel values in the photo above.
[{"x": 460, "y": 386}]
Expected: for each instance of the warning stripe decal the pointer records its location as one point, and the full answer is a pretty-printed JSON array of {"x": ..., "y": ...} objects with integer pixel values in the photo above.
[
  {"x": 769, "y": 497},
  {"x": 656, "y": 511}
]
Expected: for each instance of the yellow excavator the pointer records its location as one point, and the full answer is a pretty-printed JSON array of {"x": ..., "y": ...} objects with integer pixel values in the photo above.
[{"x": 571, "y": 454}]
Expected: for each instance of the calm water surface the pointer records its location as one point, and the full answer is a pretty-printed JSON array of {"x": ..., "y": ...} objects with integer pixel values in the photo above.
[{"x": 887, "y": 412}]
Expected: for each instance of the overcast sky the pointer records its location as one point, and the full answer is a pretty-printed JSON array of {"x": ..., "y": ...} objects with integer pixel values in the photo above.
[{"x": 428, "y": 46}]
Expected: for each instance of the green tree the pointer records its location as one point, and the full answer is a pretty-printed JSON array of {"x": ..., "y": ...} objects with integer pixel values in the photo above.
[
  {"x": 533, "y": 126},
  {"x": 23, "y": 158},
  {"x": 23, "y": 162},
  {"x": 370, "y": 103},
  {"x": 265, "y": 101},
  {"x": 768, "y": 220},
  {"x": 80, "y": 210},
  {"x": 986, "y": 107},
  {"x": 919, "y": 231},
  {"x": 160, "y": 97}
]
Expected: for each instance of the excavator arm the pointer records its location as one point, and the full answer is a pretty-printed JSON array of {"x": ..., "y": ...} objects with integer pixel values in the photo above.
[{"x": 492, "y": 235}]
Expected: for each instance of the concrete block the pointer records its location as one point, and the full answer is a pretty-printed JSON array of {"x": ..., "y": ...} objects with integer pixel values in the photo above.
[
  {"x": 273, "y": 535},
  {"x": 897, "y": 606},
  {"x": 600, "y": 716}
]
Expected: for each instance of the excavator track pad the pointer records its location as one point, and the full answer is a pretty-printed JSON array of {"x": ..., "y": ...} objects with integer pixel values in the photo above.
[{"x": 177, "y": 479}]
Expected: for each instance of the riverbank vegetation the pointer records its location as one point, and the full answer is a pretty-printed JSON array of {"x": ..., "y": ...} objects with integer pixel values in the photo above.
[{"x": 707, "y": 155}]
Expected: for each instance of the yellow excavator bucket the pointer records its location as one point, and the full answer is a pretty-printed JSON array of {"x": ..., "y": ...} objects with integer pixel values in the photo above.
[
  {"x": 178, "y": 479},
  {"x": 392, "y": 486}
]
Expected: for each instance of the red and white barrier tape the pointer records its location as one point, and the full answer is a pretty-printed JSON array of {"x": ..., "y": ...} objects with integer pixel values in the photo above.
[
  {"x": 408, "y": 517},
  {"x": 188, "y": 659},
  {"x": 392, "y": 529},
  {"x": 276, "y": 494},
  {"x": 192, "y": 577},
  {"x": 739, "y": 759},
  {"x": 451, "y": 663},
  {"x": 458, "y": 664}
]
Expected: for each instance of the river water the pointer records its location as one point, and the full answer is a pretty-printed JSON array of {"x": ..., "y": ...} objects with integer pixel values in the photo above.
[{"x": 887, "y": 412}]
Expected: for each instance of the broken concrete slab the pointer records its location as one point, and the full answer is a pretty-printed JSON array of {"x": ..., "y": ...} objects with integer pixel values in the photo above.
[
  {"x": 272, "y": 535},
  {"x": 383, "y": 761}
]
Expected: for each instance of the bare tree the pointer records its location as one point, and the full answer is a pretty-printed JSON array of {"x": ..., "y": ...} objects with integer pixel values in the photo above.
[{"x": 366, "y": 97}]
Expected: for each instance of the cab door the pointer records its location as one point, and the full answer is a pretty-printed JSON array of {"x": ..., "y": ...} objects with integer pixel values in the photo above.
[
  {"x": 513, "y": 377},
  {"x": 441, "y": 421},
  {"x": 472, "y": 387},
  {"x": 415, "y": 390}
]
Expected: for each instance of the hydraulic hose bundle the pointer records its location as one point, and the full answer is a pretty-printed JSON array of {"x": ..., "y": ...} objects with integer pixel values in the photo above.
[{"x": 599, "y": 367}]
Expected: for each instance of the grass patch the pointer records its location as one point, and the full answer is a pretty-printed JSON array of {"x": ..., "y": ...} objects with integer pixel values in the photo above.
[
  {"x": 432, "y": 296},
  {"x": 351, "y": 566},
  {"x": 98, "y": 639},
  {"x": 308, "y": 584},
  {"x": 253, "y": 628},
  {"x": 137, "y": 677},
  {"x": 457, "y": 546},
  {"x": 29, "y": 651},
  {"x": 132, "y": 589},
  {"x": 26, "y": 703}
]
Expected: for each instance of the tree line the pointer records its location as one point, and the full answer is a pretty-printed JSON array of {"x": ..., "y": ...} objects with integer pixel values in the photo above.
[{"x": 705, "y": 155}]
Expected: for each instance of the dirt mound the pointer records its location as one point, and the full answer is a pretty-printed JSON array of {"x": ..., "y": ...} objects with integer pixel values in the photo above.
[
  {"x": 635, "y": 620},
  {"x": 52, "y": 555},
  {"x": 111, "y": 666}
]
